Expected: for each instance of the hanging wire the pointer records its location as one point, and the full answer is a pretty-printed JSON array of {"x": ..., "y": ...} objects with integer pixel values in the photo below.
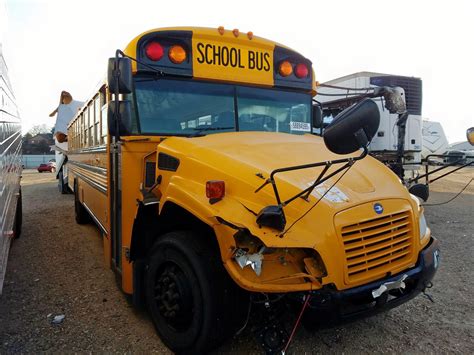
[
  {"x": 344, "y": 88},
  {"x": 443, "y": 203},
  {"x": 314, "y": 205}
]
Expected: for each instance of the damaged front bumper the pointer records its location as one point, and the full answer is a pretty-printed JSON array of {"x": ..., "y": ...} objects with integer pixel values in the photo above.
[{"x": 329, "y": 307}]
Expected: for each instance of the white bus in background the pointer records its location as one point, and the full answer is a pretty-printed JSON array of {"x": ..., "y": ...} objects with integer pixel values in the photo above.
[
  {"x": 385, "y": 142},
  {"x": 10, "y": 168}
]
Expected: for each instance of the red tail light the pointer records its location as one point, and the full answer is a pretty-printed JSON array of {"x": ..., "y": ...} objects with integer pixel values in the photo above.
[
  {"x": 215, "y": 190},
  {"x": 154, "y": 51},
  {"x": 301, "y": 71}
]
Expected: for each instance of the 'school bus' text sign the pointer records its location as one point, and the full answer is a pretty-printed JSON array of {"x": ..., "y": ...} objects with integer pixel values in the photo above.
[{"x": 232, "y": 59}]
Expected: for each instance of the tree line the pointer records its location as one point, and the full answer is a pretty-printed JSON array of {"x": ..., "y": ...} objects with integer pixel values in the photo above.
[{"x": 40, "y": 145}]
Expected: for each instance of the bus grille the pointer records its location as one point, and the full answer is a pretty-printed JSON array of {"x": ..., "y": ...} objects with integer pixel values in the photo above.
[{"x": 378, "y": 245}]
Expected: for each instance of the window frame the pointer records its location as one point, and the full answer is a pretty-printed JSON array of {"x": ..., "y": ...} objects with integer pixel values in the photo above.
[{"x": 136, "y": 117}]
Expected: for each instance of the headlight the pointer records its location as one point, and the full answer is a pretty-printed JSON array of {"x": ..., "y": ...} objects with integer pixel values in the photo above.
[
  {"x": 423, "y": 226},
  {"x": 422, "y": 221},
  {"x": 417, "y": 201}
]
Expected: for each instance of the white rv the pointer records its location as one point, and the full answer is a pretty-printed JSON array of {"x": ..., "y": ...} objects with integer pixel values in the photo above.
[{"x": 434, "y": 139}]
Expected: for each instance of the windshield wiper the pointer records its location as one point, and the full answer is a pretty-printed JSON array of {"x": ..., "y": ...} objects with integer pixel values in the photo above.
[{"x": 210, "y": 128}]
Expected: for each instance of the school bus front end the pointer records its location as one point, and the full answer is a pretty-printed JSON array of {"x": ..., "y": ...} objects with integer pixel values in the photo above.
[{"x": 221, "y": 199}]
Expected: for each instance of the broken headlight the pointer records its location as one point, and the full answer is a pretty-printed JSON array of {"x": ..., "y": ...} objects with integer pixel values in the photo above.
[{"x": 277, "y": 263}]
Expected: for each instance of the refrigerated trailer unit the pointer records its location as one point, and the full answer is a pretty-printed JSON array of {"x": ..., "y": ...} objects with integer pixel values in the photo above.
[{"x": 335, "y": 96}]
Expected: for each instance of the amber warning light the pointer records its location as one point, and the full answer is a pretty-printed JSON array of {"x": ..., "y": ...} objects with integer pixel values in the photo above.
[
  {"x": 285, "y": 68},
  {"x": 177, "y": 54}
]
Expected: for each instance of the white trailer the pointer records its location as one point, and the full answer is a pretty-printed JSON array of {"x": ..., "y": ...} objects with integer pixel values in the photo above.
[{"x": 385, "y": 143}]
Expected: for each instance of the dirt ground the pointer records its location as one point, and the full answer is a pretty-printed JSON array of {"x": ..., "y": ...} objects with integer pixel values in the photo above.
[{"x": 56, "y": 268}]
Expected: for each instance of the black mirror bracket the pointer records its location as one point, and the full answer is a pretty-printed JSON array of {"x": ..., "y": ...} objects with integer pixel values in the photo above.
[
  {"x": 274, "y": 216},
  {"x": 116, "y": 75}
]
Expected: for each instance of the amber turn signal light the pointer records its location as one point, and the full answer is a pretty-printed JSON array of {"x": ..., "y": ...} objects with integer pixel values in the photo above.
[
  {"x": 215, "y": 190},
  {"x": 285, "y": 68},
  {"x": 177, "y": 54}
]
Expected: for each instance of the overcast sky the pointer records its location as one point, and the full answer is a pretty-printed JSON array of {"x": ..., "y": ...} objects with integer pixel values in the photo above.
[{"x": 59, "y": 45}]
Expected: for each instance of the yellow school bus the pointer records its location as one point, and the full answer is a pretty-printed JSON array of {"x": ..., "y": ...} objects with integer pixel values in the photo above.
[{"x": 196, "y": 160}]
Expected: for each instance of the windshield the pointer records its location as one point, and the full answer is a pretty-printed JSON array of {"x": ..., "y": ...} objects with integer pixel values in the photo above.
[{"x": 181, "y": 107}]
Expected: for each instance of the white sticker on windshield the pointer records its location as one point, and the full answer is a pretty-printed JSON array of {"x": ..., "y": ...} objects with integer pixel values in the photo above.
[{"x": 300, "y": 126}]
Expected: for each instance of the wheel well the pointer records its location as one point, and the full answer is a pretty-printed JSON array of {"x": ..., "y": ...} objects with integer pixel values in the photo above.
[{"x": 148, "y": 226}]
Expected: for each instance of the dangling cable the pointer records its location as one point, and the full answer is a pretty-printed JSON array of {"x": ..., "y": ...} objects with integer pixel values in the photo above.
[
  {"x": 317, "y": 201},
  {"x": 443, "y": 203},
  {"x": 296, "y": 324}
]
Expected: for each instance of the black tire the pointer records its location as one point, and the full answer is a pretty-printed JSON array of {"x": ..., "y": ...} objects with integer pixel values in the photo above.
[
  {"x": 62, "y": 187},
  {"x": 80, "y": 212},
  {"x": 192, "y": 301},
  {"x": 18, "y": 217}
]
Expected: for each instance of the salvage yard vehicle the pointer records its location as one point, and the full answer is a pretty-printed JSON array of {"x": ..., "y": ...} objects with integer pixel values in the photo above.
[
  {"x": 398, "y": 140},
  {"x": 196, "y": 160},
  {"x": 10, "y": 168},
  {"x": 50, "y": 166}
]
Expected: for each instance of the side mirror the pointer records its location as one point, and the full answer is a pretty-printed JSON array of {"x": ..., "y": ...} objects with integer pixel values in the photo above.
[
  {"x": 124, "y": 117},
  {"x": 122, "y": 66},
  {"x": 353, "y": 128},
  {"x": 470, "y": 135},
  {"x": 317, "y": 117},
  {"x": 421, "y": 191}
]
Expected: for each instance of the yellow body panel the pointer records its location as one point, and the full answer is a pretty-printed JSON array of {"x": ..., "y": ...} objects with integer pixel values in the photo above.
[
  {"x": 94, "y": 194},
  {"x": 132, "y": 154},
  {"x": 237, "y": 158}
]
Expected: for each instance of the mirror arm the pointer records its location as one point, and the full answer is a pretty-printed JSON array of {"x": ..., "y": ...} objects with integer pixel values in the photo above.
[
  {"x": 401, "y": 124},
  {"x": 321, "y": 178},
  {"x": 316, "y": 183},
  {"x": 118, "y": 52},
  {"x": 123, "y": 55}
]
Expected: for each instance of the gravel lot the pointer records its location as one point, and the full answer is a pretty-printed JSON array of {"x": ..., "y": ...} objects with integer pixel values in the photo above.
[{"x": 56, "y": 268}]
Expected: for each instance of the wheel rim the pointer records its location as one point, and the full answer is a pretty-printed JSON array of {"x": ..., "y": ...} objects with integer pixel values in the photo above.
[{"x": 173, "y": 296}]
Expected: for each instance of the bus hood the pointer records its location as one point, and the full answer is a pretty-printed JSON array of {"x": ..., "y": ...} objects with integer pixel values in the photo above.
[{"x": 244, "y": 160}]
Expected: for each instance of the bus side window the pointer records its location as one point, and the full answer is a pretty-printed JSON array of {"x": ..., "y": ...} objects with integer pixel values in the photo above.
[
  {"x": 90, "y": 109},
  {"x": 97, "y": 129},
  {"x": 103, "y": 119},
  {"x": 87, "y": 128},
  {"x": 83, "y": 132}
]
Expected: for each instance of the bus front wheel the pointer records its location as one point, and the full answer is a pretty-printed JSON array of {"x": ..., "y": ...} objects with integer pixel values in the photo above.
[{"x": 188, "y": 293}]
